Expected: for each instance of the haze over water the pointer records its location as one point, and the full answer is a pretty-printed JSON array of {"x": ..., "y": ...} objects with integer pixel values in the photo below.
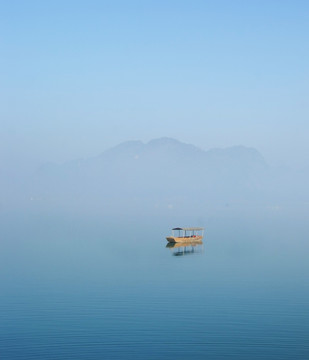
[{"x": 91, "y": 289}]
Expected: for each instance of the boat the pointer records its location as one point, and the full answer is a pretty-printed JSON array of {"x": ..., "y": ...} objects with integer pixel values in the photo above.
[{"x": 191, "y": 234}]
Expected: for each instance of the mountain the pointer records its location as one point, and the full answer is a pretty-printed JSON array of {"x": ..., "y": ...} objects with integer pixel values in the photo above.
[
  {"x": 161, "y": 174},
  {"x": 164, "y": 153}
]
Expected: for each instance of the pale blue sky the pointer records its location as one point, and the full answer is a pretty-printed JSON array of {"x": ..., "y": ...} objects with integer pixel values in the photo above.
[{"x": 80, "y": 76}]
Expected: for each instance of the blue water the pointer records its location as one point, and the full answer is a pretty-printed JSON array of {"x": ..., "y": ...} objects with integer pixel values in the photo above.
[{"x": 78, "y": 288}]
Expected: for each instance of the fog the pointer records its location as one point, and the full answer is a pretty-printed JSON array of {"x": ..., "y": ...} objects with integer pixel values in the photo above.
[
  {"x": 120, "y": 120},
  {"x": 163, "y": 178},
  {"x": 79, "y": 79}
]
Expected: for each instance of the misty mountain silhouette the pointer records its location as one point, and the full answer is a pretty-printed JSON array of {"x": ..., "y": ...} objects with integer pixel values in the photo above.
[
  {"x": 162, "y": 152},
  {"x": 161, "y": 171}
]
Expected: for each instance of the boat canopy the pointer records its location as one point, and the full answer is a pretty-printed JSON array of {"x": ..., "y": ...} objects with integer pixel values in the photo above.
[{"x": 189, "y": 229}]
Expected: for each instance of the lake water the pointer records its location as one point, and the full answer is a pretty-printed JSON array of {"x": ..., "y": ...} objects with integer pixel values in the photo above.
[{"x": 77, "y": 288}]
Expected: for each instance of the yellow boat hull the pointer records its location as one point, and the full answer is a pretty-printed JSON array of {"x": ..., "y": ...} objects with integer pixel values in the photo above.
[
  {"x": 185, "y": 239},
  {"x": 174, "y": 245}
]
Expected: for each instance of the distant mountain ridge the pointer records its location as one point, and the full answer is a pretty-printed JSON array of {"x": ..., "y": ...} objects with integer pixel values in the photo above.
[
  {"x": 147, "y": 175},
  {"x": 164, "y": 176},
  {"x": 170, "y": 148}
]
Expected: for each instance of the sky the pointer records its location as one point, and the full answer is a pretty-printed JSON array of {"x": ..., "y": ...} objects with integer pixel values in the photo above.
[{"x": 78, "y": 77}]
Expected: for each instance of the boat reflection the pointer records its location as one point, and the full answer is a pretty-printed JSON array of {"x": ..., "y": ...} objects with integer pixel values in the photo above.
[{"x": 186, "y": 248}]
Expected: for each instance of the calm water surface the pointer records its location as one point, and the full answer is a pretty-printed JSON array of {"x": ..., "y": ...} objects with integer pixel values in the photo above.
[{"x": 75, "y": 288}]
